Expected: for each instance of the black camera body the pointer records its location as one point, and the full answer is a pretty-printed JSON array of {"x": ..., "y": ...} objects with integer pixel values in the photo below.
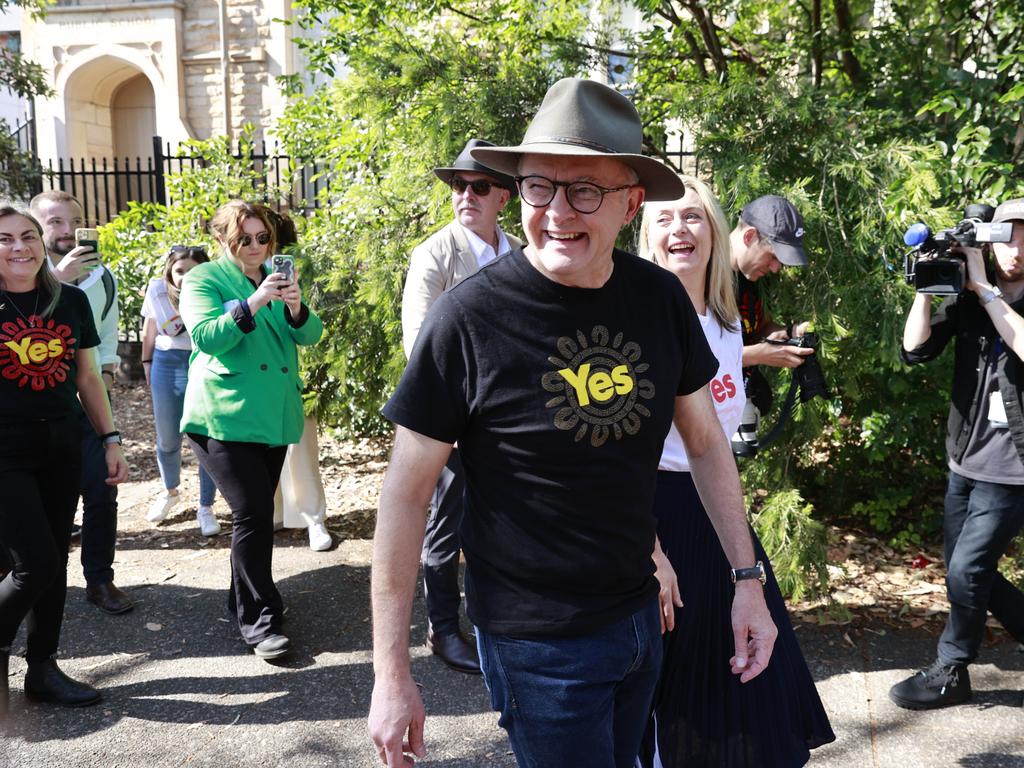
[
  {"x": 808, "y": 379},
  {"x": 929, "y": 265}
]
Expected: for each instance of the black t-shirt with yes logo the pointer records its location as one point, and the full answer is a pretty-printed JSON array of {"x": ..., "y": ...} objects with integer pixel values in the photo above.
[
  {"x": 560, "y": 399},
  {"x": 38, "y": 365}
]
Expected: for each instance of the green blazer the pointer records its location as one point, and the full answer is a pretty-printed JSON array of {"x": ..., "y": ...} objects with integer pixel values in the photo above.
[{"x": 241, "y": 386}]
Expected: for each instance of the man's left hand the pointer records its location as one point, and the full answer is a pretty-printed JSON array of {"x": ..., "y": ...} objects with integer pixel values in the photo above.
[
  {"x": 753, "y": 630},
  {"x": 977, "y": 280}
]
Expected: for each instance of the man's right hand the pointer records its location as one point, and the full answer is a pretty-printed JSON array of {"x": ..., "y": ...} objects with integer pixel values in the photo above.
[
  {"x": 76, "y": 264},
  {"x": 775, "y": 355},
  {"x": 396, "y": 711}
]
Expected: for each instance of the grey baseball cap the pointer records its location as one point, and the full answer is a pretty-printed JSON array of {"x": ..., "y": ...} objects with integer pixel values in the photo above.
[
  {"x": 1011, "y": 210},
  {"x": 777, "y": 220}
]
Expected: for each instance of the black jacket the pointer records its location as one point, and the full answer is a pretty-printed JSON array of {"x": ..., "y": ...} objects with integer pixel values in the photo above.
[{"x": 963, "y": 317}]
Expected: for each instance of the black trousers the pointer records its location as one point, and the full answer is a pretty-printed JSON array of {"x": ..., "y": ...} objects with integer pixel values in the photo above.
[
  {"x": 441, "y": 548},
  {"x": 247, "y": 475},
  {"x": 99, "y": 510},
  {"x": 39, "y": 473}
]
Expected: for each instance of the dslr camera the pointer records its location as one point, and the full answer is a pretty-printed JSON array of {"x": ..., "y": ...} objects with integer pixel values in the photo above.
[
  {"x": 929, "y": 265},
  {"x": 808, "y": 381}
]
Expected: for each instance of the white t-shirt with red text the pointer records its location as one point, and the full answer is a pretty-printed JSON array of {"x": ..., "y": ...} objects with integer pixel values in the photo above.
[{"x": 726, "y": 391}]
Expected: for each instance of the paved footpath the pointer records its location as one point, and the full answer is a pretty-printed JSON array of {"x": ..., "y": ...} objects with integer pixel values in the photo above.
[{"x": 181, "y": 690}]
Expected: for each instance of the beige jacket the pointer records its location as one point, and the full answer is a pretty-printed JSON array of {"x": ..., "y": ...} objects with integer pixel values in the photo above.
[{"x": 441, "y": 261}]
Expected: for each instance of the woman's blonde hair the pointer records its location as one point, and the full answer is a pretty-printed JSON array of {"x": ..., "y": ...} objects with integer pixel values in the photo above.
[
  {"x": 227, "y": 222},
  {"x": 719, "y": 281},
  {"x": 45, "y": 281}
]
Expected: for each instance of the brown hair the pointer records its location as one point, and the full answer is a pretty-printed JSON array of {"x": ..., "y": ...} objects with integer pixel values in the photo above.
[
  {"x": 226, "y": 223},
  {"x": 45, "y": 281},
  {"x": 196, "y": 253},
  {"x": 53, "y": 196}
]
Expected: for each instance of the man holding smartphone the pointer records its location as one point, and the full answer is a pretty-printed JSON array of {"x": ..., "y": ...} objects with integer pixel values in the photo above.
[{"x": 60, "y": 215}]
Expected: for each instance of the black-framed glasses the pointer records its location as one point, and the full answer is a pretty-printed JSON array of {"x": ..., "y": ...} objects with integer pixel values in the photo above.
[
  {"x": 480, "y": 187},
  {"x": 195, "y": 252},
  {"x": 246, "y": 240},
  {"x": 582, "y": 196}
]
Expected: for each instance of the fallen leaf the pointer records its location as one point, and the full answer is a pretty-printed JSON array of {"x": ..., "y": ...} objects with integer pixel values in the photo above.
[{"x": 153, "y": 627}]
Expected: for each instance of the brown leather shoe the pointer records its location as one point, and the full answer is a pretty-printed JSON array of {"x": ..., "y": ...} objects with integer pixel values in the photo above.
[{"x": 109, "y": 599}]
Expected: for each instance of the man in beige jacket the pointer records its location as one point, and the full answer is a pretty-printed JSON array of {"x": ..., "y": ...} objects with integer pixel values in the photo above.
[{"x": 469, "y": 242}]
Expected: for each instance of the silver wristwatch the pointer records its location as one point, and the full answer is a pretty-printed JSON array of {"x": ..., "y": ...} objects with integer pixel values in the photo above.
[{"x": 991, "y": 295}]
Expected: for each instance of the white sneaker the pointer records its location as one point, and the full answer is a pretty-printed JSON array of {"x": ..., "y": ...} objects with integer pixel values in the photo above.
[
  {"x": 208, "y": 525},
  {"x": 159, "y": 509},
  {"x": 320, "y": 539}
]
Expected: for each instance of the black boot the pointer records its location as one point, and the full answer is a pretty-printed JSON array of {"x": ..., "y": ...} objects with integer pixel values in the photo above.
[
  {"x": 46, "y": 683},
  {"x": 5, "y": 655},
  {"x": 941, "y": 685}
]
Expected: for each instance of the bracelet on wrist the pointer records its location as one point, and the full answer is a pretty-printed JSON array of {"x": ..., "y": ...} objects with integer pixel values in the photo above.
[{"x": 150, "y": 360}]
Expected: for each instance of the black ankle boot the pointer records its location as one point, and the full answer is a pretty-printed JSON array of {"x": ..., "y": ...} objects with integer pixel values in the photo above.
[
  {"x": 46, "y": 683},
  {"x": 5, "y": 656}
]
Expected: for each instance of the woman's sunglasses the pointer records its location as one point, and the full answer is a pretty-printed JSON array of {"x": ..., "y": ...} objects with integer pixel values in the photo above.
[{"x": 246, "y": 240}]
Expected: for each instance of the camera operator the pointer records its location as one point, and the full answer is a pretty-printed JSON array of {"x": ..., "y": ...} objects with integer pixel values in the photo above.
[{"x": 984, "y": 508}]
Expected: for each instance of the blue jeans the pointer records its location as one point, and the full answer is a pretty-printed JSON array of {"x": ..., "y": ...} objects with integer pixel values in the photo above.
[
  {"x": 168, "y": 376},
  {"x": 581, "y": 700},
  {"x": 980, "y": 522}
]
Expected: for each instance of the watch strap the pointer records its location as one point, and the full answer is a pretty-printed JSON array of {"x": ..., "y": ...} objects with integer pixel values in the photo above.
[{"x": 745, "y": 574}]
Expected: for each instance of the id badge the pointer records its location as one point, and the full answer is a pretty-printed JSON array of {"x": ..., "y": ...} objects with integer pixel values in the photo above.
[{"x": 997, "y": 411}]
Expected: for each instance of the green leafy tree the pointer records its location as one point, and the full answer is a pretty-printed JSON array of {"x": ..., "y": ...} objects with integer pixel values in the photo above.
[
  {"x": 868, "y": 116},
  {"x": 25, "y": 79},
  {"x": 417, "y": 81}
]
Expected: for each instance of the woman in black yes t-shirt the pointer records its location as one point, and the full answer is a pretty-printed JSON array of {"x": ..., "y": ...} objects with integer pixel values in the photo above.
[{"x": 47, "y": 362}]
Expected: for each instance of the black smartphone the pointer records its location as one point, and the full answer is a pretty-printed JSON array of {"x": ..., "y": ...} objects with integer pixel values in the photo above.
[{"x": 284, "y": 265}]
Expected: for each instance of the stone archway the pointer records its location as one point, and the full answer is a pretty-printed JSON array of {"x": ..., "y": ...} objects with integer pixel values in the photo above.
[{"x": 97, "y": 96}]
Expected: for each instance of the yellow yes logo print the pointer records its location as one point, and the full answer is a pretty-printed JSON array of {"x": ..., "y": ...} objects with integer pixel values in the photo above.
[
  {"x": 597, "y": 386},
  {"x": 35, "y": 355}
]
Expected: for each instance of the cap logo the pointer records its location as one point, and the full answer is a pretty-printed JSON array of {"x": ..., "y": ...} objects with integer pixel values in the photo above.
[{"x": 799, "y": 232}]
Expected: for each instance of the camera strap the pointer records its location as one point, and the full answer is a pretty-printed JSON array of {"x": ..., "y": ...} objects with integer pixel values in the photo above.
[{"x": 787, "y": 411}]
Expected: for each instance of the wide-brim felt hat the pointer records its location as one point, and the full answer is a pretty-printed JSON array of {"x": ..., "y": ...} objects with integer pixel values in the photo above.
[
  {"x": 584, "y": 118},
  {"x": 465, "y": 162}
]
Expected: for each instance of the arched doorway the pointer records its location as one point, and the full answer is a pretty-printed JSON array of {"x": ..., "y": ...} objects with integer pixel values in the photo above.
[{"x": 110, "y": 121}]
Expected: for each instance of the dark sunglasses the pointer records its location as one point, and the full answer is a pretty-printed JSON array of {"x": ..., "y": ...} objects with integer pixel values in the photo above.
[
  {"x": 480, "y": 187},
  {"x": 246, "y": 240},
  {"x": 195, "y": 252}
]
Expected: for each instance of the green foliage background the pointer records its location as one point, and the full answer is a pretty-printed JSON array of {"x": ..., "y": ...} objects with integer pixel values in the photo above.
[{"x": 868, "y": 116}]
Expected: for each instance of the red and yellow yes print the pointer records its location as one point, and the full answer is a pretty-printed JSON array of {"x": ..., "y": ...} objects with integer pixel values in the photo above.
[{"x": 35, "y": 354}]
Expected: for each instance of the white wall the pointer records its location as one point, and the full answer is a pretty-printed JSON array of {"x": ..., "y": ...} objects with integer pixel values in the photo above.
[{"x": 12, "y": 108}]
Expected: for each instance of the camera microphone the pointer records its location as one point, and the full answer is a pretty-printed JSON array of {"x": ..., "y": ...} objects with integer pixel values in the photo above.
[{"x": 917, "y": 235}]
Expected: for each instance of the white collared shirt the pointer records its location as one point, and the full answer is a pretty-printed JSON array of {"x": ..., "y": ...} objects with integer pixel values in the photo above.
[{"x": 484, "y": 252}]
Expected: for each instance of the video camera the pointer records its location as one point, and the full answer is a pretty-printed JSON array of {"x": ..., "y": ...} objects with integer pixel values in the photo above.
[
  {"x": 808, "y": 380},
  {"x": 931, "y": 268}
]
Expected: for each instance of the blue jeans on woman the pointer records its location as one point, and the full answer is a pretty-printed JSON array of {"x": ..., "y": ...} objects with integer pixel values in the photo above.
[
  {"x": 168, "y": 376},
  {"x": 980, "y": 522},
  {"x": 583, "y": 700}
]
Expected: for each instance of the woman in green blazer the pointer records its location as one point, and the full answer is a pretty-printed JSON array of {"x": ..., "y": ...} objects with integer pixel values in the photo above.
[{"x": 242, "y": 402}]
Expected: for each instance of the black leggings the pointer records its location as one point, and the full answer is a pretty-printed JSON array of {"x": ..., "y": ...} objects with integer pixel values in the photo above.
[
  {"x": 247, "y": 475},
  {"x": 40, "y": 466}
]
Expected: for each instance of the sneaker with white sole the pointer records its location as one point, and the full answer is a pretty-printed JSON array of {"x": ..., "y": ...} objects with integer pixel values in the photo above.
[
  {"x": 320, "y": 539},
  {"x": 208, "y": 525},
  {"x": 160, "y": 508}
]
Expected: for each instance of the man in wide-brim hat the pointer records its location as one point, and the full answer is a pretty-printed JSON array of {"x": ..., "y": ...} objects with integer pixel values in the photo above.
[
  {"x": 459, "y": 249},
  {"x": 558, "y": 370}
]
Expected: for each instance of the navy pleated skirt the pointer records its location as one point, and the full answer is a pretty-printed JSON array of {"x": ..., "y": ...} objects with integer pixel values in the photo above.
[{"x": 702, "y": 714}]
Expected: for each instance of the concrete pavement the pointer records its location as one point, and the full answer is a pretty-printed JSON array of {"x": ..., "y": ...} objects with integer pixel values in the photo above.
[{"x": 180, "y": 689}]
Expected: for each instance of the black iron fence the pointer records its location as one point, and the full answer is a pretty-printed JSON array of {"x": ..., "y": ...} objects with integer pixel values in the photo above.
[{"x": 105, "y": 187}]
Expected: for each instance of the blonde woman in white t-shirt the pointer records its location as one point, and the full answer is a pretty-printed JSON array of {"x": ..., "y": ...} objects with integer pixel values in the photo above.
[
  {"x": 166, "y": 348},
  {"x": 702, "y": 714}
]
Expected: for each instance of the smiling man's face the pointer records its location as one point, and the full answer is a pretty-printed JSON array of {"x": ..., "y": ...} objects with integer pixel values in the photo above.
[{"x": 567, "y": 246}]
